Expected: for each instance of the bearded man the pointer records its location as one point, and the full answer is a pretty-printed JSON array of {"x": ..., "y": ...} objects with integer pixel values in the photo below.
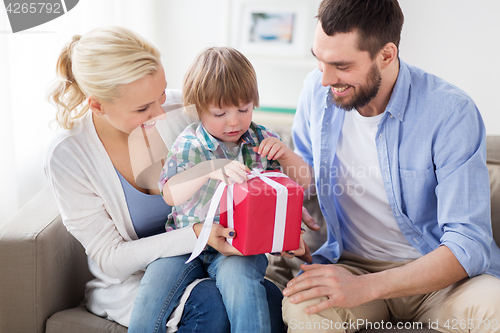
[{"x": 399, "y": 158}]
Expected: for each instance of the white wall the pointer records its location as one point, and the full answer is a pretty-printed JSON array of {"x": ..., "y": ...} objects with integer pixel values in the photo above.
[
  {"x": 458, "y": 40},
  {"x": 186, "y": 32}
]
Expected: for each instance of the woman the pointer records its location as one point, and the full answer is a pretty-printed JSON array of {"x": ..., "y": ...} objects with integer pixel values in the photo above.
[{"x": 110, "y": 82}]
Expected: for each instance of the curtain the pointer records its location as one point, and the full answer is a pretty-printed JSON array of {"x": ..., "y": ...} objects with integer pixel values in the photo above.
[{"x": 27, "y": 66}]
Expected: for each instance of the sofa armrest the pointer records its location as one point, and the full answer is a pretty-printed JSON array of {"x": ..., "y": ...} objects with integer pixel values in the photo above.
[{"x": 43, "y": 268}]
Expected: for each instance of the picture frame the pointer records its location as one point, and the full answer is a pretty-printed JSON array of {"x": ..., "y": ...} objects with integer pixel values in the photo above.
[{"x": 272, "y": 28}]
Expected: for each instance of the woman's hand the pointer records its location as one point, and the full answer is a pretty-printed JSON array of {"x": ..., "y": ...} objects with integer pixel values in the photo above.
[
  {"x": 302, "y": 251},
  {"x": 234, "y": 172},
  {"x": 217, "y": 239}
]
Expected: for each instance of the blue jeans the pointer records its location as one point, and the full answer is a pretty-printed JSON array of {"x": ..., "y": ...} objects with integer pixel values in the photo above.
[
  {"x": 241, "y": 283},
  {"x": 163, "y": 285},
  {"x": 160, "y": 291}
]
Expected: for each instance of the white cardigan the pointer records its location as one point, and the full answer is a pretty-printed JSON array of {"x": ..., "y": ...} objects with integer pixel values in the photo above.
[{"x": 93, "y": 209}]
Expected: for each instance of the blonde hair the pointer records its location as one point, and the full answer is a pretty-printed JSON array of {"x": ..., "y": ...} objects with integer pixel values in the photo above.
[
  {"x": 99, "y": 63},
  {"x": 221, "y": 76}
]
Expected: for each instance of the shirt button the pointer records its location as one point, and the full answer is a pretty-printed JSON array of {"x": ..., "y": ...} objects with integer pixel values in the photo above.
[
  {"x": 391, "y": 116},
  {"x": 380, "y": 136},
  {"x": 171, "y": 164}
]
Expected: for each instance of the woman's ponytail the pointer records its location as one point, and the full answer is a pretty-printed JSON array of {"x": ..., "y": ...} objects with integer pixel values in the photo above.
[{"x": 65, "y": 93}]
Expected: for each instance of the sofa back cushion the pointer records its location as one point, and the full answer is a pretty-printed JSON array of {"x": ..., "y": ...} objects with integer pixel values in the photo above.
[{"x": 493, "y": 163}]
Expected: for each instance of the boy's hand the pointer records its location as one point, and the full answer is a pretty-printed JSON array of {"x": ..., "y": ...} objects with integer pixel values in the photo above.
[
  {"x": 234, "y": 172},
  {"x": 273, "y": 148}
]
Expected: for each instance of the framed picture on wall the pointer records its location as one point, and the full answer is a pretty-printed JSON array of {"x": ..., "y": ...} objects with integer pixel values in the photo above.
[{"x": 272, "y": 27}]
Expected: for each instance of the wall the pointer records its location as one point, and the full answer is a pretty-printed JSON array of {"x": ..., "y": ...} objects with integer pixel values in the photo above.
[
  {"x": 458, "y": 40},
  {"x": 187, "y": 32}
]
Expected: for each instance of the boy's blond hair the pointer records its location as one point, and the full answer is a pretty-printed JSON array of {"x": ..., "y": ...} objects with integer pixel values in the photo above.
[{"x": 221, "y": 76}]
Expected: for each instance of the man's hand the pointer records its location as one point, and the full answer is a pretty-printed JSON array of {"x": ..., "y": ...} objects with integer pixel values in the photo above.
[
  {"x": 307, "y": 254},
  {"x": 311, "y": 224},
  {"x": 431, "y": 272},
  {"x": 342, "y": 288},
  {"x": 308, "y": 220}
]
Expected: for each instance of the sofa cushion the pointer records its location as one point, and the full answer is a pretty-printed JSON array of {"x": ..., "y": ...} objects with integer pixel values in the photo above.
[
  {"x": 80, "y": 320},
  {"x": 493, "y": 162},
  {"x": 493, "y": 148},
  {"x": 494, "y": 170}
]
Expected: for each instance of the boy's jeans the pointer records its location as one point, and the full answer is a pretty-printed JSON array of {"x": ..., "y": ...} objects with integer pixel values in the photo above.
[
  {"x": 241, "y": 284},
  {"x": 239, "y": 278}
]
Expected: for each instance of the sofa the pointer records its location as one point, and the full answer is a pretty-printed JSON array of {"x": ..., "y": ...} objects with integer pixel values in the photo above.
[{"x": 44, "y": 269}]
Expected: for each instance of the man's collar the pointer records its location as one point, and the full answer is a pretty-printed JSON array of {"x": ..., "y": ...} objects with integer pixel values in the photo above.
[{"x": 399, "y": 97}]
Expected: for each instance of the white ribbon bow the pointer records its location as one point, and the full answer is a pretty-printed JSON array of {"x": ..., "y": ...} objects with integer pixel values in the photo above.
[{"x": 280, "y": 213}]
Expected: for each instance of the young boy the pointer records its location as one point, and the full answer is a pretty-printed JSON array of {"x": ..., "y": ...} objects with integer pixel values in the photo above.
[{"x": 222, "y": 84}]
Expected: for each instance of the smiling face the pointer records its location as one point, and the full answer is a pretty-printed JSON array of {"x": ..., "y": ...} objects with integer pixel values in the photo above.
[
  {"x": 139, "y": 104},
  {"x": 354, "y": 78},
  {"x": 227, "y": 123}
]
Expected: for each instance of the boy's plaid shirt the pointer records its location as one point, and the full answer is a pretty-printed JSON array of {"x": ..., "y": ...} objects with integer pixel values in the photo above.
[{"x": 195, "y": 145}]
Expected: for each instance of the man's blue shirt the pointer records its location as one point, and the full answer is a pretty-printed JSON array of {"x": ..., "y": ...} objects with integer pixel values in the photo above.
[{"x": 431, "y": 148}]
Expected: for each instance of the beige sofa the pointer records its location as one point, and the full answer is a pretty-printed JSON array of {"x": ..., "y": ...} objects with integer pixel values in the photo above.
[{"x": 43, "y": 269}]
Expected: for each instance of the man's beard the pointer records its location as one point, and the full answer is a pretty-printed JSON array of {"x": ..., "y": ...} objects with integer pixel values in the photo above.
[{"x": 364, "y": 93}]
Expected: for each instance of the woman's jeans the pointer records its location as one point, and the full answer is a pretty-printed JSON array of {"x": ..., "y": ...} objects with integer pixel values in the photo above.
[{"x": 165, "y": 281}]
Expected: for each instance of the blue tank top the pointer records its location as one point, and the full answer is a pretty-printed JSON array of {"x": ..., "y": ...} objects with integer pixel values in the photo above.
[{"x": 148, "y": 212}]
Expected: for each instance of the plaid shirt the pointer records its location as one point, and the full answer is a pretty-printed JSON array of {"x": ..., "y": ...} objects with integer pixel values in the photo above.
[{"x": 195, "y": 145}]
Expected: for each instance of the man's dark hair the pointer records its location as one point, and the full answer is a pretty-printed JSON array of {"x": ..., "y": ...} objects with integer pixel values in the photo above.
[{"x": 378, "y": 22}]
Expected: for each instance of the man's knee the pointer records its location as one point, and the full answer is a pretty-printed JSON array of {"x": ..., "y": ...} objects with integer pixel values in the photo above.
[
  {"x": 469, "y": 305},
  {"x": 481, "y": 295},
  {"x": 295, "y": 316},
  {"x": 482, "y": 291}
]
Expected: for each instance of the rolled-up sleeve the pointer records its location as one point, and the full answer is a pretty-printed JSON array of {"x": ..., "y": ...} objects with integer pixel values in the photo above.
[{"x": 463, "y": 191}]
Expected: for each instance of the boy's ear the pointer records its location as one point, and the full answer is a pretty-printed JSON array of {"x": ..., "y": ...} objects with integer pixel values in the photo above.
[{"x": 95, "y": 105}]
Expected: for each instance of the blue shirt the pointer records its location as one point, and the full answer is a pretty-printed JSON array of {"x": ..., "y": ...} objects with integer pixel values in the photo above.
[
  {"x": 431, "y": 146},
  {"x": 148, "y": 212}
]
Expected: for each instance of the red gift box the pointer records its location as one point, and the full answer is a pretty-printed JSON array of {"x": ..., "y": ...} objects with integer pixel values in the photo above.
[{"x": 254, "y": 215}]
